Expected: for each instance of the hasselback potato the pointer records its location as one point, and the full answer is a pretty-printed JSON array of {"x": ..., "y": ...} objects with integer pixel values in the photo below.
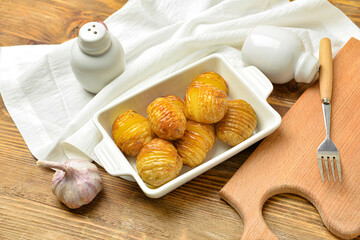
[
  {"x": 178, "y": 101},
  {"x": 204, "y": 103},
  {"x": 238, "y": 124},
  {"x": 131, "y": 132},
  {"x": 197, "y": 141},
  {"x": 166, "y": 119},
  {"x": 211, "y": 79},
  {"x": 158, "y": 162}
]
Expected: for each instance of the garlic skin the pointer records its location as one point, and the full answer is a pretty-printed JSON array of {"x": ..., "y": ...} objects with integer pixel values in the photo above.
[{"x": 76, "y": 182}]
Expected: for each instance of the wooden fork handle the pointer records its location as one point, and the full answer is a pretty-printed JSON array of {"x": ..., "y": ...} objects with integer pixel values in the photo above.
[{"x": 326, "y": 70}]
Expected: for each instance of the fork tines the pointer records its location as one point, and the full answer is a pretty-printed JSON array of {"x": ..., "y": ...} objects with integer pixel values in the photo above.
[{"x": 329, "y": 158}]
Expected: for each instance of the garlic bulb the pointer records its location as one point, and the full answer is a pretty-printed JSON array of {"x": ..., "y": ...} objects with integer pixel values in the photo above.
[{"x": 76, "y": 182}]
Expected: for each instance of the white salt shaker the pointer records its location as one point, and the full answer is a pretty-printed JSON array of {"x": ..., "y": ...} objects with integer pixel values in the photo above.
[
  {"x": 279, "y": 54},
  {"x": 97, "y": 57}
]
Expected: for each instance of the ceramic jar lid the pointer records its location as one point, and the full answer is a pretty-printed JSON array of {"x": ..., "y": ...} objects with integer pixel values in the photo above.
[{"x": 94, "y": 38}]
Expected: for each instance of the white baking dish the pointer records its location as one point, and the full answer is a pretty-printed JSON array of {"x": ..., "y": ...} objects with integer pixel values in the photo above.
[{"x": 248, "y": 84}]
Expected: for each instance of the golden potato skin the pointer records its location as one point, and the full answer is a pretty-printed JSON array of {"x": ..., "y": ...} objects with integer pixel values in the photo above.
[
  {"x": 158, "y": 162},
  {"x": 131, "y": 132},
  {"x": 178, "y": 101},
  {"x": 197, "y": 141},
  {"x": 238, "y": 124},
  {"x": 211, "y": 79},
  {"x": 167, "y": 120},
  {"x": 205, "y": 103}
]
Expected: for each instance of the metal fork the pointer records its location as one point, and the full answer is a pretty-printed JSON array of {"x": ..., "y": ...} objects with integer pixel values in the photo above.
[{"x": 327, "y": 149}]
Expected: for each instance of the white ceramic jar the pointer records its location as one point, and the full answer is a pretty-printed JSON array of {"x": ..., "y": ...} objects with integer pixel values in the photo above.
[
  {"x": 97, "y": 57},
  {"x": 279, "y": 54}
]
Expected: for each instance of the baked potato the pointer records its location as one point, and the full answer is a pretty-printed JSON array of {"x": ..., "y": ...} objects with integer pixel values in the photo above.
[
  {"x": 166, "y": 119},
  {"x": 158, "y": 162},
  {"x": 238, "y": 124},
  {"x": 206, "y": 104},
  {"x": 197, "y": 141},
  {"x": 211, "y": 79},
  {"x": 131, "y": 132}
]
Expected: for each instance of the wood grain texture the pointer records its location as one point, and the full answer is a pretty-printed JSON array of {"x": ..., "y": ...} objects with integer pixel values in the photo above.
[
  {"x": 289, "y": 155},
  {"x": 29, "y": 210},
  {"x": 49, "y": 22}
]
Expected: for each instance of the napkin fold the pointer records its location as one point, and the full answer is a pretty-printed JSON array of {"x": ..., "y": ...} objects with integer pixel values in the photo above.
[{"x": 54, "y": 114}]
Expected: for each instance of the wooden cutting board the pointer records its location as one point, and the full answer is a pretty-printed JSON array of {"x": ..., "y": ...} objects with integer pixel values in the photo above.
[{"x": 285, "y": 162}]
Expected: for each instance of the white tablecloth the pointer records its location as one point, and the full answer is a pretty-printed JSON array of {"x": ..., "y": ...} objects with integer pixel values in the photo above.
[{"x": 54, "y": 114}]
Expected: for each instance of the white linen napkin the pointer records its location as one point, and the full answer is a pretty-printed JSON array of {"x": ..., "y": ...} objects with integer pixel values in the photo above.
[{"x": 54, "y": 114}]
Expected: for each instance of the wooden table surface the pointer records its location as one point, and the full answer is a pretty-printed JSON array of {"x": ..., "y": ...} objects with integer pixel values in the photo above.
[{"x": 29, "y": 210}]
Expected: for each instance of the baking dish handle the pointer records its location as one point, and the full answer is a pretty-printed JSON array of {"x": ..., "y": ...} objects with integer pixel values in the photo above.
[
  {"x": 111, "y": 159},
  {"x": 259, "y": 82}
]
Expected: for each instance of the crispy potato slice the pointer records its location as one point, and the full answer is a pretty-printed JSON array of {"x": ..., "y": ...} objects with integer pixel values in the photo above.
[{"x": 178, "y": 101}]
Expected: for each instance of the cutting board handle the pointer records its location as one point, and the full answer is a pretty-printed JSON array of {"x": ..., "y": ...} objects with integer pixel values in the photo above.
[
  {"x": 257, "y": 229},
  {"x": 255, "y": 226}
]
